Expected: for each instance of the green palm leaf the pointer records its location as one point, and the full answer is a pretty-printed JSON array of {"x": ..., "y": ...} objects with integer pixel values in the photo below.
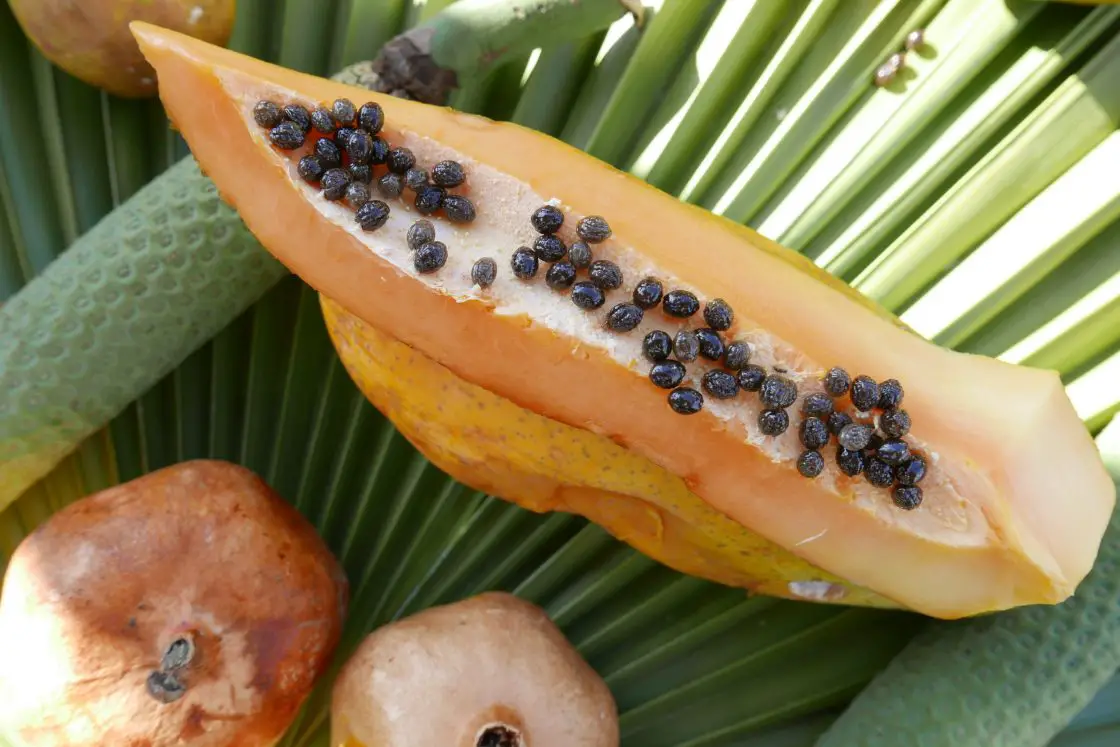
[{"x": 984, "y": 175}]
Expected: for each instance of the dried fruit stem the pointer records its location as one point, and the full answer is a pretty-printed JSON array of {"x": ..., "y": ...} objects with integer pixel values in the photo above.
[{"x": 472, "y": 37}]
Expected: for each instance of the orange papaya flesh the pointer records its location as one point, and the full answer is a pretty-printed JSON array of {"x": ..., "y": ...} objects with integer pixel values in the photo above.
[
  {"x": 1016, "y": 497},
  {"x": 490, "y": 443}
]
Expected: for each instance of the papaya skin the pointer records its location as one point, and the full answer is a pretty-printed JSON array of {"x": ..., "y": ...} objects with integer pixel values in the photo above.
[
  {"x": 492, "y": 445},
  {"x": 996, "y": 529},
  {"x": 91, "y": 41}
]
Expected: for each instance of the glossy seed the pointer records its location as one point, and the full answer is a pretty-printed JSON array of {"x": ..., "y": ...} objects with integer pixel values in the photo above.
[
  {"x": 837, "y": 381},
  {"x": 890, "y": 394},
  {"x": 415, "y": 179},
  {"x": 751, "y": 377},
  {"x": 390, "y": 185},
  {"x": 560, "y": 276},
  {"x": 372, "y": 215},
  {"x": 334, "y": 183},
  {"x": 547, "y": 219},
  {"x": 777, "y": 392},
  {"x": 430, "y": 257},
  {"x": 484, "y": 272},
  {"x": 680, "y": 303},
  {"x": 907, "y": 497},
  {"x": 737, "y": 355},
  {"x": 328, "y": 153},
  {"x": 879, "y": 473},
  {"x": 605, "y": 274},
  {"x": 895, "y": 423},
  {"x": 720, "y": 384},
  {"x": 419, "y": 233},
  {"x": 323, "y": 121},
  {"x": 359, "y": 147},
  {"x": 837, "y": 421},
  {"x": 911, "y": 471},
  {"x": 380, "y": 153},
  {"x": 813, "y": 433},
  {"x": 865, "y": 393},
  {"x": 887, "y": 71},
  {"x": 458, "y": 209},
  {"x": 893, "y": 451},
  {"x": 657, "y": 346},
  {"x": 549, "y": 248},
  {"x": 342, "y": 136},
  {"x": 875, "y": 442},
  {"x": 371, "y": 117},
  {"x": 298, "y": 116},
  {"x": 267, "y": 114},
  {"x": 343, "y": 111},
  {"x": 310, "y": 169},
  {"x": 593, "y": 229},
  {"x": 286, "y": 136},
  {"x": 587, "y": 295},
  {"x": 718, "y": 314},
  {"x": 624, "y": 317},
  {"x": 686, "y": 401},
  {"x": 810, "y": 463},
  {"x": 524, "y": 263},
  {"x": 429, "y": 200},
  {"x": 773, "y": 422},
  {"x": 647, "y": 293},
  {"x": 711, "y": 345},
  {"x": 579, "y": 254},
  {"x": 851, "y": 463},
  {"x": 667, "y": 374},
  {"x": 855, "y": 437},
  {"x": 400, "y": 160},
  {"x": 686, "y": 346},
  {"x": 915, "y": 39},
  {"x": 448, "y": 174},
  {"x": 817, "y": 404},
  {"x": 357, "y": 194},
  {"x": 360, "y": 172}
]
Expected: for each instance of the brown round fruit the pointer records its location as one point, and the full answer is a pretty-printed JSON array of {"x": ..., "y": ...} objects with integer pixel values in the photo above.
[
  {"x": 91, "y": 40},
  {"x": 191, "y": 606},
  {"x": 489, "y": 671}
]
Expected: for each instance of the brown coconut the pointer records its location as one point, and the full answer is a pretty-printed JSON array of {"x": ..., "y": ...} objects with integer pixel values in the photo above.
[
  {"x": 191, "y": 606},
  {"x": 489, "y": 671},
  {"x": 90, "y": 39}
]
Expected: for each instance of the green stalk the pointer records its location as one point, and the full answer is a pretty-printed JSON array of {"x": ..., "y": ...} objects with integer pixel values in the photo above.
[
  {"x": 1067, "y": 321},
  {"x": 421, "y": 11},
  {"x": 619, "y": 44},
  {"x": 835, "y": 75},
  {"x": 1096, "y": 399},
  {"x": 29, "y": 195},
  {"x": 792, "y": 47},
  {"x": 84, "y": 150},
  {"x": 554, "y": 84},
  {"x": 885, "y": 123},
  {"x": 251, "y": 29},
  {"x": 12, "y": 274},
  {"x": 472, "y": 37},
  {"x": 660, "y": 55},
  {"x": 364, "y": 26},
  {"x": 55, "y": 151},
  {"x": 1035, "y": 240},
  {"x": 1075, "y": 118},
  {"x": 958, "y": 133},
  {"x": 686, "y": 122},
  {"x": 126, "y": 135},
  {"x": 305, "y": 36},
  {"x": 1014, "y": 678}
]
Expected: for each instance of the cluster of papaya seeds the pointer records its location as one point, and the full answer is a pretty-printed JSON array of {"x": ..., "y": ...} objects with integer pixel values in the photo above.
[
  {"x": 195, "y": 606},
  {"x": 594, "y": 345}
]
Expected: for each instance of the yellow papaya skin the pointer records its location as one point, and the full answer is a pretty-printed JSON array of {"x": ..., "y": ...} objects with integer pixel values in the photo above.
[{"x": 491, "y": 444}]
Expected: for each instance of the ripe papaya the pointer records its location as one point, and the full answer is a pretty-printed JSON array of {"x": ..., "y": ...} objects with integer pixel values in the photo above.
[{"x": 555, "y": 331}]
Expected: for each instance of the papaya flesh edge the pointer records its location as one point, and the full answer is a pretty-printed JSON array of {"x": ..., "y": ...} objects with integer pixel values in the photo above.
[{"x": 1016, "y": 496}]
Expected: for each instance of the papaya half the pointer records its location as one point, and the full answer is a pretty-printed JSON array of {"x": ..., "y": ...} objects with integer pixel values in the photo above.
[{"x": 549, "y": 329}]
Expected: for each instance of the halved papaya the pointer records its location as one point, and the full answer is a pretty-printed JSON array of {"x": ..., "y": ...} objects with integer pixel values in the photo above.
[{"x": 541, "y": 391}]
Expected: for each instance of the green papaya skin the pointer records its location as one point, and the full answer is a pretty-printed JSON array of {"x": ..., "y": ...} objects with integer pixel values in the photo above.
[
  {"x": 1012, "y": 679},
  {"x": 122, "y": 307}
]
